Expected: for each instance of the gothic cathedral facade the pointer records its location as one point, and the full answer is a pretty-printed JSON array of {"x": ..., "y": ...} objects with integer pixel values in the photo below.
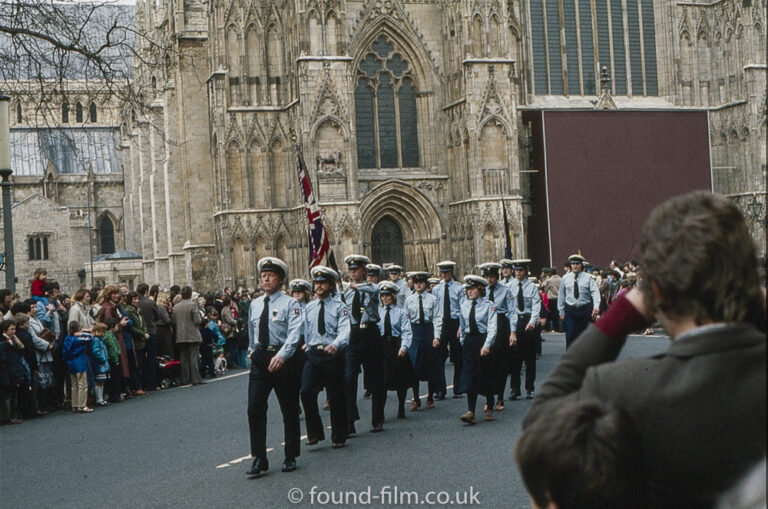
[{"x": 408, "y": 114}]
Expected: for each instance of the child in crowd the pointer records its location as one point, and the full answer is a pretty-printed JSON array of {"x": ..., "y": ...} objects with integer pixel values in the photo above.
[
  {"x": 584, "y": 455},
  {"x": 206, "y": 349},
  {"x": 74, "y": 352},
  {"x": 113, "y": 356},
  {"x": 37, "y": 289},
  {"x": 99, "y": 363}
]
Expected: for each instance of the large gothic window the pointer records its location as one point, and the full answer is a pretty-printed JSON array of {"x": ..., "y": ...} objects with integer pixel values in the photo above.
[
  {"x": 385, "y": 109},
  {"x": 387, "y": 242}
]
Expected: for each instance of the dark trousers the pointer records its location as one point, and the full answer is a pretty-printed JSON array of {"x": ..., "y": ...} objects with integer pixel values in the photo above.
[
  {"x": 149, "y": 364},
  {"x": 322, "y": 370},
  {"x": 286, "y": 386},
  {"x": 554, "y": 316},
  {"x": 523, "y": 352},
  {"x": 134, "y": 379},
  {"x": 206, "y": 361},
  {"x": 366, "y": 348},
  {"x": 115, "y": 381},
  {"x": 451, "y": 347},
  {"x": 576, "y": 320}
]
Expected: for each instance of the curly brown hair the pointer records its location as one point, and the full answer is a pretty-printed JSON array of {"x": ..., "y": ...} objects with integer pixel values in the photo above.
[{"x": 698, "y": 251}]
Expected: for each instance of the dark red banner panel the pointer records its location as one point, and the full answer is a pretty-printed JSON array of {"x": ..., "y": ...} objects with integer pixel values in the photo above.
[{"x": 606, "y": 171}]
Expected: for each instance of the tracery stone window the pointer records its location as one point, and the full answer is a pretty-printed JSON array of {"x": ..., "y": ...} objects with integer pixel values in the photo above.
[{"x": 385, "y": 109}]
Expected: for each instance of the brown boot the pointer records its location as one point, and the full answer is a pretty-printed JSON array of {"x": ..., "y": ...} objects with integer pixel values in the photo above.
[
  {"x": 469, "y": 418},
  {"x": 489, "y": 415}
]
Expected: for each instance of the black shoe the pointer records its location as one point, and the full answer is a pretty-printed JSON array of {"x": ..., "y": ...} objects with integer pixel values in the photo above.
[
  {"x": 367, "y": 394},
  {"x": 289, "y": 465},
  {"x": 513, "y": 395},
  {"x": 529, "y": 395},
  {"x": 377, "y": 429},
  {"x": 351, "y": 431},
  {"x": 259, "y": 465},
  {"x": 440, "y": 396},
  {"x": 457, "y": 396},
  {"x": 401, "y": 413}
]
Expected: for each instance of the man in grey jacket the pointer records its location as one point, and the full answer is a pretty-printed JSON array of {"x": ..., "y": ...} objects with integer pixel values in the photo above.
[
  {"x": 186, "y": 320},
  {"x": 699, "y": 406}
]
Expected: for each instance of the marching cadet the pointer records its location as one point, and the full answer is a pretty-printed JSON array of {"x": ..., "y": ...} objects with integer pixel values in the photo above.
[
  {"x": 409, "y": 280},
  {"x": 526, "y": 308},
  {"x": 395, "y": 273},
  {"x": 395, "y": 328},
  {"x": 365, "y": 344},
  {"x": 301, "y": 290},
  {"x": 274, "y": 326},
  {"x": 507, "y": 272},
  {"x": 578, "y": 301},
  {"x": 432, "y": 283},
  {"x": 477, "y": 325},
  {"x": 449, "y": 294},
  {"x": 374, "y": 273},
  {"x": 326, "y": 331},
  {"x": 425, "y": 353},
  {"x": 498, "y": 296}
]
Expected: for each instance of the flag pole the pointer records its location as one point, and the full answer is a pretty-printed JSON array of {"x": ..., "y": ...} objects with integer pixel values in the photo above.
[{"x": 507, "y": 236}]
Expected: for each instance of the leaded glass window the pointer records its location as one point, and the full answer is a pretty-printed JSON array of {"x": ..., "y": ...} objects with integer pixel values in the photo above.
[
  {"x": 590, "y": 34},
  {"x": 385, "y": 109}
]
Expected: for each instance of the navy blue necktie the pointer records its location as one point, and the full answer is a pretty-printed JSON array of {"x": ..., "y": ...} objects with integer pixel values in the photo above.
[
  {"x": 264, "y": 324},
  {"x": 321, "y": 318}
]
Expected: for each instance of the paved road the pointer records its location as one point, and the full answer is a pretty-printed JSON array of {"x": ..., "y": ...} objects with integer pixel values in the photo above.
[{"x": 187, "y": 447}]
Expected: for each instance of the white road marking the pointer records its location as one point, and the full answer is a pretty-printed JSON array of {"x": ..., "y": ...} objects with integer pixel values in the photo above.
[
  {"x": 238, "y": 460},
  {"x": 303, "y": 437}
]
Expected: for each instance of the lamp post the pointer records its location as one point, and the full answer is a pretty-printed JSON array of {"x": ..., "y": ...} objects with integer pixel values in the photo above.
[{"x": 5, "y": 173}]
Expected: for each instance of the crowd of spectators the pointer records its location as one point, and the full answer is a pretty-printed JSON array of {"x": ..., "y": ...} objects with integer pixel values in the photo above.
[{"x": 104, "y": 345}]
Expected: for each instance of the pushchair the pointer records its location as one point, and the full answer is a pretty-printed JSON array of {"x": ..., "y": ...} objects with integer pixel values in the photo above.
[
  {"x": 168, "y": 371},
  {"x": 219, "y": 360}
]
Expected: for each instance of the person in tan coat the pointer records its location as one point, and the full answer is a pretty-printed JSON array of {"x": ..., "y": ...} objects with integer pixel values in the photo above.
[{"x": 186, "y": 321}]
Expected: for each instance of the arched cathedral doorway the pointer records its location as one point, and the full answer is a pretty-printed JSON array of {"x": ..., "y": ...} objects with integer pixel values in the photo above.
[{"x": 387, "y": 242}]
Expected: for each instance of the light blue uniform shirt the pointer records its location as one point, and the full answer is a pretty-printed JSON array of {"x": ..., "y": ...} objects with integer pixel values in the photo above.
[
  {"x": 588, "y": 292},
  {"x": 369, "y": 302},
  {"x": 401, "y": 326},
  {"x": 500, "y": 298},
  {"x": 531, "y": 303},
  {"x": 433, "y": 313},
  {"x": 403, "y": 293},
  {"x": 485, "y": 317},
  {"x": 506, "y": 282},
  {"x": 336, "y": 323},
  {"x": 284, "y": 323},
  {"x": 455, "y": 291}
]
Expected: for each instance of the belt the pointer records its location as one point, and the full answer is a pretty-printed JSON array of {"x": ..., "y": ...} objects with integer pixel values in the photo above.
[
  {"x": 319, "y": 348},
  {"x": 391, "y": 338},
  {"x": 270, "y": 348},
  {"x": 364, "y": 325}
]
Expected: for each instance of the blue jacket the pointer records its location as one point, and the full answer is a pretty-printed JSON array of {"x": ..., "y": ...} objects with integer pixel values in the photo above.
[
  {"x": 99, "y": 356},
  {"x": 74, "y": 351}
]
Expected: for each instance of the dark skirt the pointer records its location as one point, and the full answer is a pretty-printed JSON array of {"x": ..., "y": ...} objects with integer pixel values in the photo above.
[
  {"x": 427, "y": 361},
  {"x": 398, "y": 371},
  {"x": 475, "y": 369},
  {"x": 498, "y": 364}
]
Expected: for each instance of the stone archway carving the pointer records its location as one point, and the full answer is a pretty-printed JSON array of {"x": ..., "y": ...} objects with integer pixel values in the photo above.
[{"x": 414, "y": 214}]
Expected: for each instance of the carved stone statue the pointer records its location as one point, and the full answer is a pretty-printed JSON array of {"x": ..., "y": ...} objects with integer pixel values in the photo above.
[{"x": 330, "y": 164}]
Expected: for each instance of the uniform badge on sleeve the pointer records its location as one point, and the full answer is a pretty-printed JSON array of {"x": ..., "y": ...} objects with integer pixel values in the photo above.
[
  {"x": 346, "y": 313},
  {"x": 296, "y": 311},
  {"x": 493, "y": 309}
]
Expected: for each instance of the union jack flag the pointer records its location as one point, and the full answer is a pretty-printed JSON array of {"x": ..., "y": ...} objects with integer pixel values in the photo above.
[{"x": 319, "y": 243}]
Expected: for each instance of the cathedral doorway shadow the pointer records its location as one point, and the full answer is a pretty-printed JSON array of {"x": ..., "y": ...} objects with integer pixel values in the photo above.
[{"x": 400, "y": 225}]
